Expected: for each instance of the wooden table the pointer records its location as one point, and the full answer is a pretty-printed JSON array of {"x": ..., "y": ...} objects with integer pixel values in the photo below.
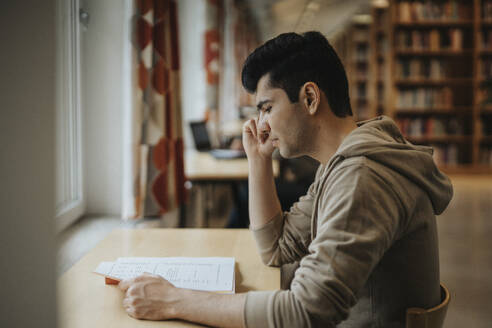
[
  {"x": 201, "y": 166},
  {"x": 205, "y": 171},
  {"x": 85, "y": 301}
]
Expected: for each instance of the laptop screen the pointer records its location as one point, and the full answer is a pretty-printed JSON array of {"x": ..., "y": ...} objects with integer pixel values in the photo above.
[{"x": 200, "y": 135}]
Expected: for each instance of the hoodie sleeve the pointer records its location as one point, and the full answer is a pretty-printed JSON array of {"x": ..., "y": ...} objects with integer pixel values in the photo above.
[
  {"x": 286, "y": 238},
  {"x": 357, "y": 221}
]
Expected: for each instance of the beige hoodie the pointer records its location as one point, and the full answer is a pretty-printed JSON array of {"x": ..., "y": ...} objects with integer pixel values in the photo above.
[{"x": 365, "y": 235}]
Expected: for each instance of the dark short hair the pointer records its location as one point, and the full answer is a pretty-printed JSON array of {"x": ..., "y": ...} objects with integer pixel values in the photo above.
[{"x": 293, "y": 59}]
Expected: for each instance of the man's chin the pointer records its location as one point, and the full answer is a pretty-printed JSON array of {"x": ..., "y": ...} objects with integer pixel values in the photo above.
[{"x": 285, "y": 153}]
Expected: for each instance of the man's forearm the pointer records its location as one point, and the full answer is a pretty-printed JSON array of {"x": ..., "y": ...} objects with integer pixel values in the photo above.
[
  {"x": 217, "y": 310},
  {"x": 263, "y": 200}
]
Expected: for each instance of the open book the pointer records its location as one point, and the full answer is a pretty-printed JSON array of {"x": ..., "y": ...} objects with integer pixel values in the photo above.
[{"x": 214, "y": 274}]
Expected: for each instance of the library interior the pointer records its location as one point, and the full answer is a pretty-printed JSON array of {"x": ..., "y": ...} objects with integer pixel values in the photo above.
[{"x": 139, "y": 140}]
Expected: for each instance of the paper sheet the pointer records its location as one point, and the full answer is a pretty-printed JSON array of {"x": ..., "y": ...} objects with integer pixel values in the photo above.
[{"x": 199, "y": 273}]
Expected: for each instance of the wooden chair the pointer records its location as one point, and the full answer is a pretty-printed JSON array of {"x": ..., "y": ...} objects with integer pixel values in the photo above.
[{"x": 431, "y": 318}]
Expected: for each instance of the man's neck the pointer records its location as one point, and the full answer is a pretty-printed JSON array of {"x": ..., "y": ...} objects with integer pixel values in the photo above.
[{"x": 330, "y": 134}]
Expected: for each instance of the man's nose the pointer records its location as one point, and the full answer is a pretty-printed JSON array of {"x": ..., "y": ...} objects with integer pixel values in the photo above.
[{"x": 263, "y": 125}]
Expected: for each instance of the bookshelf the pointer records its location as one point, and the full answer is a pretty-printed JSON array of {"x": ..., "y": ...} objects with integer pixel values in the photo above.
[
  {"x": 359, "y": 54},
  {"x": 379, "y": 67},
  {"x": 483, "y": 81},
  {"x": 440, "y": 79}
]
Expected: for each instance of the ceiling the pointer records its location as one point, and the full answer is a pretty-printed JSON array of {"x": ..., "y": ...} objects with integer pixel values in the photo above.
[{"x": 327, "y": 16}]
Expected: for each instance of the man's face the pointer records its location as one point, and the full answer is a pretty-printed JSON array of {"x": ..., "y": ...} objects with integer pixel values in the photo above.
[{"x": 284, "y": 122}]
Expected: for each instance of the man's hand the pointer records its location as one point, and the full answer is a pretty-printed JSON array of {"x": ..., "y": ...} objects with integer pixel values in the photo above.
[
  {"x": 263, "y": 201},
  {"x": 255, "y": 141},
  {"x": 149, "y": 297},
  {"x": 152, "y": 297}
]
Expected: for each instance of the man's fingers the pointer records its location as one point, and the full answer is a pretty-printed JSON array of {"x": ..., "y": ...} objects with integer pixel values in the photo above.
[
  {"x": 262, "y": 132},
  {"x": 124, "y": 284},
  {"x": 267, "y": 145},
  {"x": 127, "y": 302},
  {"x": 257, "y": 128},
  {"x": 141, "y": 277},
  {"x": 264, "y": 136},
  {"x": 247, "y": 127},
  {"x": 145, "y": 276},
  {"x": 251, "y": 127},
  {"x": 131, "y": 312}
]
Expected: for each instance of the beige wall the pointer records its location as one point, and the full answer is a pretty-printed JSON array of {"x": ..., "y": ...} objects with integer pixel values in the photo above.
[{"x": 27, "y": 143}]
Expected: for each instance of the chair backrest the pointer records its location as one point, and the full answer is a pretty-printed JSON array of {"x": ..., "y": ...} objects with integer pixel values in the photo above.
[{"x": 430, "y": 318}]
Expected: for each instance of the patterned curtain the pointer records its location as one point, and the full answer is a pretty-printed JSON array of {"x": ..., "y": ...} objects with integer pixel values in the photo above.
[{"x": 158, "y": 171}]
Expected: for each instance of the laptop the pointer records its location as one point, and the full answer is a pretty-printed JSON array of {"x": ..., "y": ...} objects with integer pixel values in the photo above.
[{"x": 203, "y": 144}]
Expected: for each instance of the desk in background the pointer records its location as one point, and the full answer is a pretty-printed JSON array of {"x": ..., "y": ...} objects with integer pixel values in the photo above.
[
  {"x": 201, "y": 166},
  {"x": 205, "y": 172},
  {"x": 85, "y": 301}
]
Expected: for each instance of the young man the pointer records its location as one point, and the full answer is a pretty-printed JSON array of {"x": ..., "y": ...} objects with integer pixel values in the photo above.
[{"x": 365, "y": 233}]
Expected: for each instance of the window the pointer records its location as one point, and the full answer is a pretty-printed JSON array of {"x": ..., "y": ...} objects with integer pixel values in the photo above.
[{"x": 70, "y": 200}]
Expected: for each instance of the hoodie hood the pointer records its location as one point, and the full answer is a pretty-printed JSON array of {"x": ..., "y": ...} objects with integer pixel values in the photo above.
[{"x": 380, "y": 140}]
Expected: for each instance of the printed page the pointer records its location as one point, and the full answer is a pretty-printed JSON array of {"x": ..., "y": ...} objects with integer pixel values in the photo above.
[{"x": 207, "y": 273}]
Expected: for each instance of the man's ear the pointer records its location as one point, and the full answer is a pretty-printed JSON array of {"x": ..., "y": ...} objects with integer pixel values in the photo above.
[{"x": 311, "y": 97}]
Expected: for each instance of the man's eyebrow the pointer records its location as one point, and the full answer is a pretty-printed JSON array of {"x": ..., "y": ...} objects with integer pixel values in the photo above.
[{"x": 261, "y": 103}]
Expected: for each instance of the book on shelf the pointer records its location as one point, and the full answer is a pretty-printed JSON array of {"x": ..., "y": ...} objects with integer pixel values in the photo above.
[
  {"x": 434, "y": 39},
  {"x": 415, "y": 11},
  {"x": 445, "y": 154},
  {"x": 413, "y": 129},
  {"x": 382, "y": 45},
  {"x": 430, "y": 127},
  {"x": 484, "y": 93},
  {"x": 361, "y": 53},
  {"x": 456, "y": 39},
  {"x": 361, "y": 71},
  {"x": 420, "y": 69},
  {"x": 380, "y": 93},
  {"x": 381, "y": 72},
  {"x": 486, "y": 155},
  {"x": 484, "y": 68},
  {"x": 361, "y": 91},
  {"x": 487, "y": 10},
  {"x": 424, "y": 98},
  {"x": 487, "y": 39},
  {"x": 360, "y": 35},
  {"x": 430, "y": 40}
]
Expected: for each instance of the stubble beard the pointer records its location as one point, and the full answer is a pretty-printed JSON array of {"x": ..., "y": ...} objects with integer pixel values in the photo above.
[{"x": 299, "y": 143}]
